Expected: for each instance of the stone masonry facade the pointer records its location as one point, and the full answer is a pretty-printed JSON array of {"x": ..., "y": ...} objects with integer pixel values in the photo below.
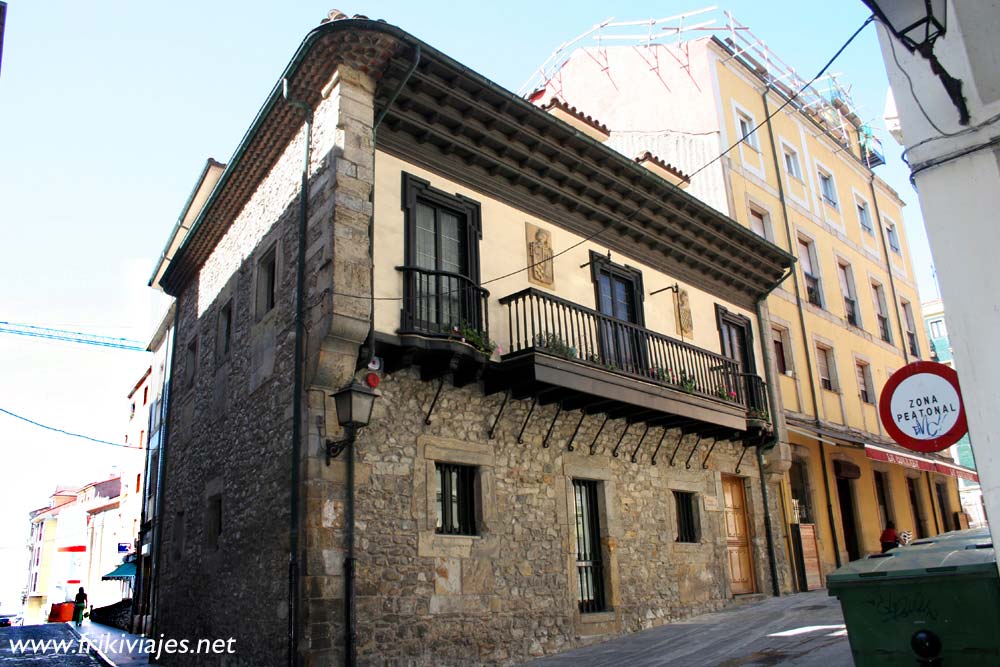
[{"x": 497, "y": 598}]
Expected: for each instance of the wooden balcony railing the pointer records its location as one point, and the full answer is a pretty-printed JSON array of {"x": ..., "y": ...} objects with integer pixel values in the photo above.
[
  {"x": 443, "y": 303},
  {"x": 543, "y": 322}
]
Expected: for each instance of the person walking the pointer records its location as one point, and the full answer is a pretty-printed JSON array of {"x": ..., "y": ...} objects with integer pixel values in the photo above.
[
  {"x": 79, "y": 604},
  {"x": 889, "y": 539}
]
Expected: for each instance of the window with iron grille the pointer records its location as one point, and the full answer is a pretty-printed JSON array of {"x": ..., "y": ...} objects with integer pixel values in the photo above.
[
  {"x": 589, "y": 568},
  {"x": 687, "y": 517},
  {"x": 456, "y": 499}
]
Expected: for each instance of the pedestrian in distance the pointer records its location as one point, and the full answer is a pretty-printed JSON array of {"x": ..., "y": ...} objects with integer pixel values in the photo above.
[
  {"x": 79, "y": 604},
  {"x": 889, "y": 539}
]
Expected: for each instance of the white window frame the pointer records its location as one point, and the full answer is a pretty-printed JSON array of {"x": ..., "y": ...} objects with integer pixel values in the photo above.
[
  {"x": 831, "y": 366},
  {"x": 822, "y": 172},
  {"x": 791, "y": 157},
  {"x": 749, "y": 135},
  {"x": 802, "y": 239},
  {"x": 892, "y": 235}
]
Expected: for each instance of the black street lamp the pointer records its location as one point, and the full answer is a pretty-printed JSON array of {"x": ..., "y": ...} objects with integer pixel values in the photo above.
[
  {"x": 918, "y": 24},
  {"x": 354, "y": 410}
]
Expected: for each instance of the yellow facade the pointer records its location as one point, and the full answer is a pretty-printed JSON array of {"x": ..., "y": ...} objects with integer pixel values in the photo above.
[{"x": 824, "y": 225}]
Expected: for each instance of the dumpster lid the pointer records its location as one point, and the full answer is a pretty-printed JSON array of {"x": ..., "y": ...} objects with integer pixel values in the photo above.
[{"x": 950, "y": 554}]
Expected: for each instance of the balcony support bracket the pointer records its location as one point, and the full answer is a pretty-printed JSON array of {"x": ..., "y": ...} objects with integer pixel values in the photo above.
[
  {"x": 740, "y": 462},
  {"x": 527, "y": 418},
  {"x": 593, "y": 444},
  {"x": 658, "y": 445},
  {"x": 704, "y": 463},
  {"x": 687, "y": 463},
  {"x": 635, "y": 452},
  {"x": 437, "y": 395},
  {"x": 677, "y": 446},
  {"x": 614, "y": 452},
  {"x": 503, "y": 404},
  {"x": 569, "y": 445},
  {"x": 548, "y": 434}
]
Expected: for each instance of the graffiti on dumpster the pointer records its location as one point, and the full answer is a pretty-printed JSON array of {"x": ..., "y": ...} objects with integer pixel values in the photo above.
[{"x": 902, "y": 607}]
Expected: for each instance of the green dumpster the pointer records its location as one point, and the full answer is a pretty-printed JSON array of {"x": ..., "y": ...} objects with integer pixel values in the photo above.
[{"x": 934, "y": 602}]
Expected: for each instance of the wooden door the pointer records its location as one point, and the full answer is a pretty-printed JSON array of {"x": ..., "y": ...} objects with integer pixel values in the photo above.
[
  {"x": 810, "y": 557},
  {"x": 738, "y": 537}
]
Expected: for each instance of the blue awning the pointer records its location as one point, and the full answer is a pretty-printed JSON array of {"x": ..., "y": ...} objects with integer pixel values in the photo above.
[{"x": 122, "y": 572}]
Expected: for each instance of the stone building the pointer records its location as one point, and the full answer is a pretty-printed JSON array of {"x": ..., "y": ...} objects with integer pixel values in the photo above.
[{"x": 567, "y": 440}]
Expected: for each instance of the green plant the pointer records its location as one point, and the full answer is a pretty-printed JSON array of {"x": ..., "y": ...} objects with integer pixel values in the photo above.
[
  {"x": 758, "y": 413},
  {"x": 663, "y": 374},
  {"x": 474, "y": 337},
  {"x": 725, "y": 394},
  {"x": 686, "y": 381},
  {"x": 554, "y": 344}
]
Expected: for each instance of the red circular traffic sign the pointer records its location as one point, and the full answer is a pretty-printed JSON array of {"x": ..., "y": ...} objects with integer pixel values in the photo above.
[{"x": 921, "y": 407}]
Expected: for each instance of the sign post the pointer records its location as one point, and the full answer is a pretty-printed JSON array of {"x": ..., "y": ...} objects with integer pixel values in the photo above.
[{"x": 921, "y": 407}]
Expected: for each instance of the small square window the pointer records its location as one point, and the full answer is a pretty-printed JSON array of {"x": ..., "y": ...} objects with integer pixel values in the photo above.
[
  {"x": 747, "y": 133},
  {"x": 792, "y": 164},
  {"x": 865, "y": 388},
  {"x": 267, "y": 276},
  {"x": 865, "y": 218},
  {"x": 456, "y": 499},
  {"x": 225, "y": 335},
  {"x": 828, "y": 189},
  {"x": 825, "y": 366},
  {"x": 687, "y": 517}
]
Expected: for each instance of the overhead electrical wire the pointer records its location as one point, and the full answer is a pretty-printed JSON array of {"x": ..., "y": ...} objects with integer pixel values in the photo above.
[
  {"x": 69, "y": 433},
  {"x": 368, "y": 297}
]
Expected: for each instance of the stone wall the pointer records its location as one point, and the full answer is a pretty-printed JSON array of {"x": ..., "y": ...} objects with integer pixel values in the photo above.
[{"x": 510, "y": 593}]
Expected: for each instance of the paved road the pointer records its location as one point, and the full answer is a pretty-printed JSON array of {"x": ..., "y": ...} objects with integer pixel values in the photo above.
[
  {"x": 119, "y": 647},
  {"x": 49, "y": 631},
  {"x": 804, "y": 630}
]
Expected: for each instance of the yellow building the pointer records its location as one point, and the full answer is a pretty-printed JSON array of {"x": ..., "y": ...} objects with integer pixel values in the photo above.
[{"x": 800, "y": 174}]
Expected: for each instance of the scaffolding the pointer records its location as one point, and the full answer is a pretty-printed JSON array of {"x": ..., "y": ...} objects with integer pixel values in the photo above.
[{"x": 826, "y": 100}]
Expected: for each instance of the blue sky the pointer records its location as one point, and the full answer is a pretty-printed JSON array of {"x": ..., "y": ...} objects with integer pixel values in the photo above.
[{"x": 109, "y": 110}]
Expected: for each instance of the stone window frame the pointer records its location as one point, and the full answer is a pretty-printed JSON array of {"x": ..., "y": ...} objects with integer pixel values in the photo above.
[
  {"x": 692, "y": 497},
  {"x": 267, "y": 250},
  {"x": 700, "y": 491},
  {"x": 607, "y": 621},
  {"x": 430, "y": 451}
]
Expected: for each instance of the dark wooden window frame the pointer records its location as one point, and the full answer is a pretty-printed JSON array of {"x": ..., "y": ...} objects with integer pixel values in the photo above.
[
  {"x": 465, "y": 521},
  {"x": 591, "y": 587},
  {"x": 600, "y": 263},
  {"x": 722, "y": 315},
  {"x": 686, "y": 503}
]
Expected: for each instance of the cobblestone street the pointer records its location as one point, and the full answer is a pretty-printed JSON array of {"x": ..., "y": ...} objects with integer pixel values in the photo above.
[
  {"x": 804, "y": 630},
  {"x": 54, "y": 633}
]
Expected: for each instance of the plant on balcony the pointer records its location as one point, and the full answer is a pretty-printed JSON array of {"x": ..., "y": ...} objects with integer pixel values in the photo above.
[
  {"x": 472, "y": 336},
  {"x": 597, "y": 360},
  {"x": 554, "y": 344},
  {"x": 725, "y": 394},
  {"x": 758, "y": 414},
  {"x": 686, "y": 381},
  {"x": 665, "y": 375}
]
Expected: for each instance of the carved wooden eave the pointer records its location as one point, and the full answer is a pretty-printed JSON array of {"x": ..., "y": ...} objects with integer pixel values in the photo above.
[{"x": 457, "y": 123}]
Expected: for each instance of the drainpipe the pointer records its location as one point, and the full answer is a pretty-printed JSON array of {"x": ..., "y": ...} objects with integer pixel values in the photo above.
[
  {"x": 161, "y": 481},
  {"x": 888, "y": 266},
  {"x": 775, "y": 400},
  {"x": 293, "y": 549},
  {"x": 802, "y": 324},
  {"x": 350, "y": 612}
]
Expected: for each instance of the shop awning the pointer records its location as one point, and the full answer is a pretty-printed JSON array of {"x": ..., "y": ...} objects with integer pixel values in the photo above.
[
  {"x": 917, "y": 462},
  {"x": 120, "y": 573}
]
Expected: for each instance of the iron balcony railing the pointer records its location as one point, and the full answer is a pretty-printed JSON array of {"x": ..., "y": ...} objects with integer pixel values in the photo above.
[
  {"x": 443, "y": 303},
  {"x": 851, "y": 311},
  {"x": 540, "y": 321},
  {"x": 883, "y": 327}
]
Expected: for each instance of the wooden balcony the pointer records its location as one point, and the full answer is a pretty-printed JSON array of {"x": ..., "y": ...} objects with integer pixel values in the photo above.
[{"x": 561, "y": 352}]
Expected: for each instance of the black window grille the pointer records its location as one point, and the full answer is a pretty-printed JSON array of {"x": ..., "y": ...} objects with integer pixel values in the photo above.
[
  {"x": 687, "y": 521},
  {"x": 456, "y": 499},
  {"x": 590, "y": 573}
]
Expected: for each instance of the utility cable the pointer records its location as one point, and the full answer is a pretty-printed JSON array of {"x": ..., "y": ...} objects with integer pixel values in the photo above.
[
  {"x": 75, "y": 435},
  {"x": 789, "y": 100},
  {"x": 632, "y": 215}
]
